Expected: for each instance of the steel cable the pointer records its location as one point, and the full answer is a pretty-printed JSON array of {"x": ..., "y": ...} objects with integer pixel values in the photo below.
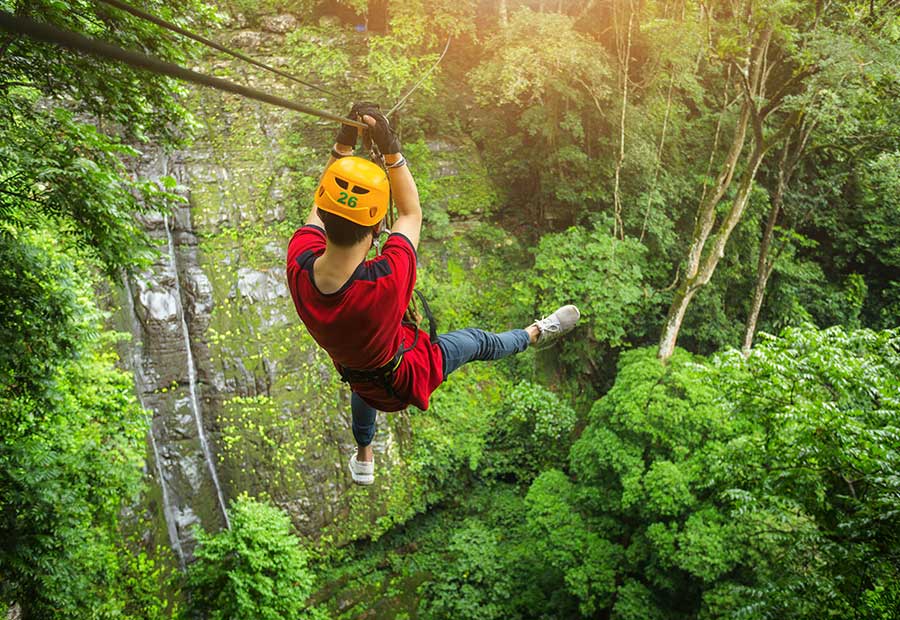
[
  {"x": 209, "y": 43},
  {"x": 420, "y": 82},
  {"x": 80, "y": 43}
]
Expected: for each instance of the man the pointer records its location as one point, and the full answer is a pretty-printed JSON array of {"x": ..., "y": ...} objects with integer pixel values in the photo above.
[{"x": 354, "y": 307}]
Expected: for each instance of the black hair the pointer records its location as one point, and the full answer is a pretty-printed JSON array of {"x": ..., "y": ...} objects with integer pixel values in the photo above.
[{"x": 343, "y": 232}]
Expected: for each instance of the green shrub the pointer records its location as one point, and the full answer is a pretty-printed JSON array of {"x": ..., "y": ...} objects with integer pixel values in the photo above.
[
  {"x": 530, "y": 433},
  {"x": 254, "y": 571}
]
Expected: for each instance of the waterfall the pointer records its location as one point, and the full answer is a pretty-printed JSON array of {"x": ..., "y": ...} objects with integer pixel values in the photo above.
[
  {"x": 192, "y": 379},
  {"x": 138, "y": 369}
]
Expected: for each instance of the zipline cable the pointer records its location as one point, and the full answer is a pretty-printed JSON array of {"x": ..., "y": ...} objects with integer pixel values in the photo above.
[
  {"x": 420, "y": 82},
  {"x": 77, "y": 42},
  {"x": 210, "y": 43}
]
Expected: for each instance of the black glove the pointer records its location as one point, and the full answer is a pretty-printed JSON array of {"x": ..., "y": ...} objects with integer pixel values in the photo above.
[
  {"x": 347, "y": 133},
  {"x": 382, "y": 133}
]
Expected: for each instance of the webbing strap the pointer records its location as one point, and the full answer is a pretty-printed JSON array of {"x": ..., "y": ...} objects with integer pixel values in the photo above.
[
  {"x": 353, "y": 375},
  {"x": 432, "y": 323},
  {"x": 383, "y": 376}
]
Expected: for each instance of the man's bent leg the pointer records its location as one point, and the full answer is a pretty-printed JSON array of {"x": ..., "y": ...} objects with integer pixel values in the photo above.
[
  {"x": 363, "y": 425},
  {"x": 468, "y": 345}
]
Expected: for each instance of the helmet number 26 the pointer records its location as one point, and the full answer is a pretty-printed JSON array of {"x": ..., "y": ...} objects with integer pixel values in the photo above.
[{"x": 346, "y": 199}]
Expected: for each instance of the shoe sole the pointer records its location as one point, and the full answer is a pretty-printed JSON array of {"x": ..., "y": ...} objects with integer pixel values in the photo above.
[{"x": 552, "y": 342}]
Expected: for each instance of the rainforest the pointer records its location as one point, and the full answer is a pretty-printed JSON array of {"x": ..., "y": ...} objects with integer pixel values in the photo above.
[{"x": 714, "y": 183}]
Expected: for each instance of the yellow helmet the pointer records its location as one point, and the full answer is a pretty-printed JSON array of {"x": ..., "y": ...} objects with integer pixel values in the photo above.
[{"x": 354, "y": 189}]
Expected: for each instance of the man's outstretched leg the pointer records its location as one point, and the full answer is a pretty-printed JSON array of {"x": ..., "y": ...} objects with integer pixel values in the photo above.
[
  {"x": 362, "y": 464},
  {"x": 469, "y": 345}
]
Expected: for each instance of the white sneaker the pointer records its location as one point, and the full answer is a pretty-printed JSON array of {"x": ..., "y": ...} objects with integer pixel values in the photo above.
[
  {"x": 560, "y": 322},
  {"x": 362, "y": 472}
]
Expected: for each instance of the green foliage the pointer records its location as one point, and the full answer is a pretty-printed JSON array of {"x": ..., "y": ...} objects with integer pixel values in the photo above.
[
  {"x": 445, "y": 460},
  {"x": 150, "y": 584},
  {"x": 587, "y": 560},
  {"x": 318, "y": 53},
  {"x": 474, "y": 558},
  {"x": 254, "y": 10},
  {"x": 72, "y": 445},
  {"x": 477, "y": 581},
  {"x": 735, "y": 482},
  {"x": 546, "y": 76},
  {"x": 538, "y": 57},
  {"x": 36, "y": 287},
  {"x": 864, "y": 233},
  {"x": 532, "y": 433},
  {"x": 727, "y": 487},
  {"x": 67, "y": 464},
  {"x": 602, "y": 275},
  {"x": 71, "y": 434},
  {"x": 877, "y": 212},
  {"x": 55, "y": 170},
  {"x": 138, "y": 103},
  {"x": 700, "y": 489},
  {"x": 257, "y": 569},
  {"x": 397, "y": 61}
]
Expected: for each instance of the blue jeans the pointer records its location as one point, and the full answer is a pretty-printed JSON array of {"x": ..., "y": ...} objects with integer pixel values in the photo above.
[{"x": 458, "y": 348}]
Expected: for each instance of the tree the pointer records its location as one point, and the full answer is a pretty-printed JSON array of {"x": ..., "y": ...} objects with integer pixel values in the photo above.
[
  {"x": 771, "y": 54},
  {"x": 71, "y": 434},
  {"x": 724, "y": 487},
  {"x": 531, "y": 434},
  {"x": 72, "y": 440},
  {"x": 624, "y": 37},
  {"x": 604, "y": 276},
  {"x": 790, "y": 155},
  {"x": 257, "y": 569},
  {"x": 838, "y": 135},
  {"x": 545, "y": 76}
]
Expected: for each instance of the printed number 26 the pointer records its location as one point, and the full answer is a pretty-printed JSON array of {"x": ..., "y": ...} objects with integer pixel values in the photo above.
[{"x": 344, "y": 200}]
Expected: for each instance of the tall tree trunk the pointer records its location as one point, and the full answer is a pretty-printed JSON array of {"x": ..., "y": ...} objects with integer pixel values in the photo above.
[
  {"x": 672, "y": 327},
  {"x": 504, "y": 13},
  {"x": 700, "y": 263},
  {"x": 765, "y": 264},
  {"x": 659, "y": 151},
  {"x": 624, "y": 53},
  {"x": 701, "y": 266},
  {"x": 791, "y": 154},
  {"x": 706, "y": 213}
]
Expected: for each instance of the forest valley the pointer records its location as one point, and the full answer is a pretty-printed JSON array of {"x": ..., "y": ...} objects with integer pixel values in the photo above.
[{"x": 716, "y": 185}]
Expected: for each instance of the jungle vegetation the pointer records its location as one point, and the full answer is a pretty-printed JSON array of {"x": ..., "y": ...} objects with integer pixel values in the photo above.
[{"x": 715, "y": 182}]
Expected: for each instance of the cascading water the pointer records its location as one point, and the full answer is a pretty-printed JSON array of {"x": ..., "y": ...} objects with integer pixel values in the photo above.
[
  {"x": 137, "y": 368},
  {"x": 192, "y": 379}
]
